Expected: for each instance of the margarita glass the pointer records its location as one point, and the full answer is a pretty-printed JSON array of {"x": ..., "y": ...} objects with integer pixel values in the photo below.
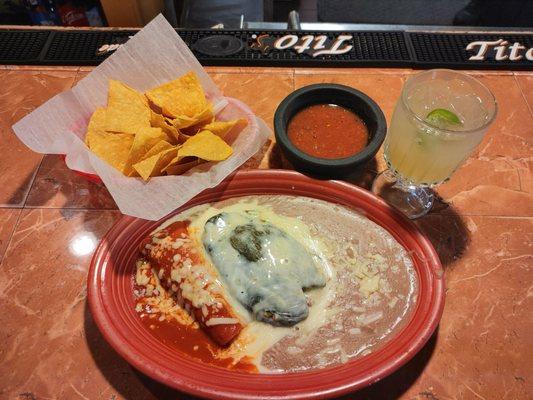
[{"x": 441, "y": 116}]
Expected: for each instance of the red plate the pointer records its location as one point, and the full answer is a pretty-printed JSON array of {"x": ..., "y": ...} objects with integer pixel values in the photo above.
[{"x": 110, "y": 287}]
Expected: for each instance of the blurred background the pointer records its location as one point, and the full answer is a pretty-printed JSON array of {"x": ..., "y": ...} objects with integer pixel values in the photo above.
[{"x": 234, "y": 14}]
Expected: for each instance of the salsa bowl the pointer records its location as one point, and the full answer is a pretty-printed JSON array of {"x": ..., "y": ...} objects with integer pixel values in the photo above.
[{"x": 352, "y": 99}]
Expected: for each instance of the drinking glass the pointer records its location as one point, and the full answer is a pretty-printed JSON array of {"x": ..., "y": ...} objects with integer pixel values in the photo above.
[{"x": 441, "y": 116}]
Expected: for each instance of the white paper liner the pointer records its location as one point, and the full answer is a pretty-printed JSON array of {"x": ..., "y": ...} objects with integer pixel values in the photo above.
[{"x": 155, "y": 55}]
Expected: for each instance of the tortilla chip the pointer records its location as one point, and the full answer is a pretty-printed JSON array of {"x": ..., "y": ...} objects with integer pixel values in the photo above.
[
  {"x": 96, "y": 125},
  {"x": 127, "y": 109},
  {"x": 113, "y": 148},
  {"x": 183, "y": 137},
  {"x": 182, "y": 167},
  {"x": 182, "y": 122},
  {"x": 153, "y": 107},
  {"x": 153, "y": 165},
  {"x": 166, "y": 124},
  {"x": 198, "y": 127},
  {"x": 145, "y": 139},
  {"x": 221, "y": 128},
  {"x": 207, "y": 146},
  {"x": 182, "y": 97},
  {"x": 159, "y": 121},
  {"x": 158, "y": 148}
]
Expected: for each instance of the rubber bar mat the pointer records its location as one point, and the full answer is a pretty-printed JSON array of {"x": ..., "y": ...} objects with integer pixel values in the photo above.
[
  {"x": 256, "y": 48},
  {"x": 447, "y": 50},
  {"x": 82, "y": 48},
  {"x": 370, "y": 48},
  {"x": 373, "y": 48},
  {"x": 22, "y": 47}
]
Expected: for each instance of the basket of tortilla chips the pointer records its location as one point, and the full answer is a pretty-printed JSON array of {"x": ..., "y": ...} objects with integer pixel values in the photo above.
[
  {"x": 149, "y": 123},
  {"x": 165, "y": 131}
]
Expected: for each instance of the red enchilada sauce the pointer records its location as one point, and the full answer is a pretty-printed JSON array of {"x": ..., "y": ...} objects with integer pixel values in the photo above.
[
  {"x": 188, "y": 339},
  {"x": 198, "y": 340},
  {"x": 171, "y": 248},
  {"x": 195, "y": 343},
  {"x": 328, "y": 131}
]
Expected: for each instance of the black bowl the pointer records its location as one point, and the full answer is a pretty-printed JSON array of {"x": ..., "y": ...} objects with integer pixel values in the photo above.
[{"x": 341, "y": 95}]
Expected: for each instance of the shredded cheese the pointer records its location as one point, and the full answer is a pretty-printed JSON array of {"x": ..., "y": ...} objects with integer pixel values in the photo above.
[
  {"x": 221, "y": 321},
  {"x": 152, "y": 299}
]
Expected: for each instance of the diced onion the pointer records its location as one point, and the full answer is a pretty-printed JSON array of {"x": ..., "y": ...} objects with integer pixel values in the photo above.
[{"x": 370, "y": 318}]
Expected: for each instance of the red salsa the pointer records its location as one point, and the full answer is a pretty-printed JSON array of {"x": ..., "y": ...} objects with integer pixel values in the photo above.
[{"x": 328, "y": 131}]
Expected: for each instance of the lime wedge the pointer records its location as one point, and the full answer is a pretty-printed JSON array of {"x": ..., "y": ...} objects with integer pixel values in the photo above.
[{"x": 443, "y": 118}]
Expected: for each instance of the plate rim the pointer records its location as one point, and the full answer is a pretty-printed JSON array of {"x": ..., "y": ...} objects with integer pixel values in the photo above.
[{"x": 334, "y": 388}]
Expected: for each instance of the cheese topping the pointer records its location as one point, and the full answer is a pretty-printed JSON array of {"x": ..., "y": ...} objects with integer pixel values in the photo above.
[
  {"x": 196, "y": 283},
  {"x": 153, "y": 301},
  {"x": 221, "y": 321},
  {"x": 263, "y": 267}
]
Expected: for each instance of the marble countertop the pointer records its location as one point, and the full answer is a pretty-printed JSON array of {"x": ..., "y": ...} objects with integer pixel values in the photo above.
[{"x": 482, "y": 228}]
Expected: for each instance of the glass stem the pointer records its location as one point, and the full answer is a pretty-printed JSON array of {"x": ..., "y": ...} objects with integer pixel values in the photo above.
[{"x": 413, "y": 201}]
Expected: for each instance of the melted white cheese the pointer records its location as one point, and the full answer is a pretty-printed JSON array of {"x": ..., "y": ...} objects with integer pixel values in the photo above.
[
  {"x": 264, "y": 267},
  {"x": 258, "y": 336}
]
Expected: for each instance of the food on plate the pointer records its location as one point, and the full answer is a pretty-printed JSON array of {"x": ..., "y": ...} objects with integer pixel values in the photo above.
[
  {"x": 328, "y": 131},
  {"x": 165, "y": 131},
  {"x": 264, "y": 267},
  {"x": 273, "y": 283},
  {"x": 181, "y": 270}
]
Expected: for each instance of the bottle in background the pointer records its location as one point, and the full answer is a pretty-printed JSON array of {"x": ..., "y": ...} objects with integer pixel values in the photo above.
[
  {"x": 42, "y": 12},
  {"x": 72, "y": 13}
]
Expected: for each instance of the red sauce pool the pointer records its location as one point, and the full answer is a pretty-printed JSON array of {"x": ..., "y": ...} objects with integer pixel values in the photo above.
[
  {"x": 193, "y": 342},
  {"x": 328, "y": 131}
]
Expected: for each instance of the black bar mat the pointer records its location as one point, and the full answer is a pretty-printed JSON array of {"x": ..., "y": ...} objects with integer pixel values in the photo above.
[
  {"x": 439, "y": 50},
  {"x": 242, "y": 48},
  {"x": 82, "y": 47},
  {"x": 369, "y": 48},
  {"x": 22, "y": 47}
]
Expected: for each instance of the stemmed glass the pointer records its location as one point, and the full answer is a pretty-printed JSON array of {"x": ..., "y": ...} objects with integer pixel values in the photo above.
[{"x": 441, "y": 116}]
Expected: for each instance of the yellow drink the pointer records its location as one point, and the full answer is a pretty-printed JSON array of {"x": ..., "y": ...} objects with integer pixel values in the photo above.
[{"x": 422, "y": 153}]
